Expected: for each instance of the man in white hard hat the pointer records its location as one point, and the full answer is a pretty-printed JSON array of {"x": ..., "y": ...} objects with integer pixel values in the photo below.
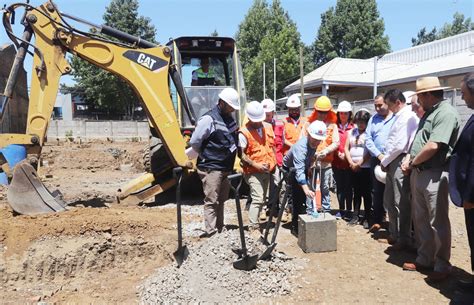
[
  {"x": 301, "y": 156},
  {"x": 278, "y": 131},
  {"x": 257, "y": 151},
  {"x": 215, "y": 140},
  {"x": 294, "y": 123}
]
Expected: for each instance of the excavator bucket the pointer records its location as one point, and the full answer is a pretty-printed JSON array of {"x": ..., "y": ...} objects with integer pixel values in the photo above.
[{"x": 27, "y": 194}]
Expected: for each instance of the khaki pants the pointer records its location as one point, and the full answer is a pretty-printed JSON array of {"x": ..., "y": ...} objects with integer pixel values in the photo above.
[
  {"x": 273, "y": 194},
  {"x": 258, "y": 183},
  {"x": 396, "y": 201},
  {"x": 431, "y": 217},
  {"x": 216, "y": 191}
]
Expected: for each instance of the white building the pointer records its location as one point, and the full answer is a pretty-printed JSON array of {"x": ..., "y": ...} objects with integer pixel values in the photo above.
[{"x": 353, "y": 79}]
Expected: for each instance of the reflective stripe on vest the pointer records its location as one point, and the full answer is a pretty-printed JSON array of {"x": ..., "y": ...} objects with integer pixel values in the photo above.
[
  {"x": 259, "y": 149},
  {"x": 292, "y": 132},
  {"x": 218, "y": 150},
  {"x": 202, "y": 74}
]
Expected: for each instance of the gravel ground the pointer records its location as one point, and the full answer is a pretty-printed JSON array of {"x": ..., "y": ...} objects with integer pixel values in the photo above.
[{"x": 208, "y": 275}]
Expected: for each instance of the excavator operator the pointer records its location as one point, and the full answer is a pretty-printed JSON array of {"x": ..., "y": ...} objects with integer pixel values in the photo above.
[{"x": 204, "y": 76}]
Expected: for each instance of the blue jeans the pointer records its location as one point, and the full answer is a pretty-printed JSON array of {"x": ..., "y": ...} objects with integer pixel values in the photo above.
[{"x": 324, "y": 185}]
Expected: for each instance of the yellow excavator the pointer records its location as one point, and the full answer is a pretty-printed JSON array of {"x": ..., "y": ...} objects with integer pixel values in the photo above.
[{"x": 153, "y": 71}]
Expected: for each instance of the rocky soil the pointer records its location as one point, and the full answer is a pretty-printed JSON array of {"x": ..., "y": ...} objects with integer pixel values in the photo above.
[
  {"x": 102, "y": 252},
  {"x": 208, "y": 276}
]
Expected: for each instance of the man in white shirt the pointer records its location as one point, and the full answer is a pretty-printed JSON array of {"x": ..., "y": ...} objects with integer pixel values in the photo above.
[{"x": 397, "y": 186}]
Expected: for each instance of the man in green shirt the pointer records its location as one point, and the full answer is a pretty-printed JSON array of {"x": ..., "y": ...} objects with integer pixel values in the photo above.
[{"x": 428, "y": 163}]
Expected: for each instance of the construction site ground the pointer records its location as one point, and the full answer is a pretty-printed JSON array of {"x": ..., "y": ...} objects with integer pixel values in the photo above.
[{"x": 103, "y": 252}]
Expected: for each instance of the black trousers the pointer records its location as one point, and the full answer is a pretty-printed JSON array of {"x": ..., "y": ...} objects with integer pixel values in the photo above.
[
  {"x": 298, "y": 198},
  {"x": 343, "y": 188},
  {"x": 378, "y": 189},
  {"x": 469, "y": 216},
  {"x": 362, "y": 189}
]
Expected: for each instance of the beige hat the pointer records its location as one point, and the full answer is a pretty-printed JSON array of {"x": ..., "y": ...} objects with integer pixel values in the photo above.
[{"x": 428, "y": 83}]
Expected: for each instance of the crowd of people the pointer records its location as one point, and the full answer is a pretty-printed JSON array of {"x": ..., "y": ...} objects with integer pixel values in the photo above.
[{"x": 402, "y": 163}]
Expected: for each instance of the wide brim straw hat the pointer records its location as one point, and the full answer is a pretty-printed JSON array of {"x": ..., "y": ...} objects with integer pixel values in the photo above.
[{"x": 427, "y": 84}]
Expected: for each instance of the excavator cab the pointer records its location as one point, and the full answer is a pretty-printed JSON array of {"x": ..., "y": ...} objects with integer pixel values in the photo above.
[{"x": 202, "y": 85}]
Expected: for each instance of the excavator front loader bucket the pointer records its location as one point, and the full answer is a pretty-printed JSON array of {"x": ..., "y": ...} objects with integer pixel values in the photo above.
[{"x": 27, "y": 194}]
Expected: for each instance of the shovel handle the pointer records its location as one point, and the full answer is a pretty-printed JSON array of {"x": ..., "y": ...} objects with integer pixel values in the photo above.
[
  {"x": 287, "y": 174},
  {"x": 233, "y": 178},
  {"x": 178, "y": 175}
]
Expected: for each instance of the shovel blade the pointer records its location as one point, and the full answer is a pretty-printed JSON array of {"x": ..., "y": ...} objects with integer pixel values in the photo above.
[
  {"x": 263, "y": 241},
  {"x": 246, "y": 263},
  {"x": 27, "y": 195},
  {"x": 181, "y": 255},
  {"x": 268, "y": 252}
]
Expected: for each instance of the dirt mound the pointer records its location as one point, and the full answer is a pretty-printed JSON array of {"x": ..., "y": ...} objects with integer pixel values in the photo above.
[
  {"x": 41, "y": 254},
  {"x": 208, "y": 275},
  {"x": 17, "y": 232}
]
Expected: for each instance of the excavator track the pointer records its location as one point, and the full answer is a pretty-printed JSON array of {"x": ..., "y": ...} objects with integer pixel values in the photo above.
[{"x": 27, "y": 195}]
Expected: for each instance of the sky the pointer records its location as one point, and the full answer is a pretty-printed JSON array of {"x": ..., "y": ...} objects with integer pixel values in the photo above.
[{"x": 173, "y": 18}]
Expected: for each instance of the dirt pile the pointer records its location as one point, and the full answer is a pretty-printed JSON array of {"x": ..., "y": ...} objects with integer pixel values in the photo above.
[{"x": 208, "y": 275}]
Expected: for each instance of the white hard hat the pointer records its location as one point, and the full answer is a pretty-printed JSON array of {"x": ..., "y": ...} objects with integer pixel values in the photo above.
[
  {"x": 293, "y": 101},
  {"x": 255, "y": 112},
  {"x": 408, "y": 95},
  {"x": 231, "y": 97},
  {"x": 268, "y": 105},
  {"x": 344, "y": 106},
  {"x": 317, "y": 130},
  {"x": 380, "y": 175}
]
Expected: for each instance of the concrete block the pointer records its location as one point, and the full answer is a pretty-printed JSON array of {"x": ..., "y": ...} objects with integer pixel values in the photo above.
[{"x": 317, "y": 234}]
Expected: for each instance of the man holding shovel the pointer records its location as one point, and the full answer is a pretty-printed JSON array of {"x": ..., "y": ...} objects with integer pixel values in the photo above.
[
  {"x": 301, "y": 156},
  {"x": 256, "y": 143}
]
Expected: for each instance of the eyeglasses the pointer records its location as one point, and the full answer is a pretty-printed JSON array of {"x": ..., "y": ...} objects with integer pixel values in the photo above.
[{"x": 323, "y": 112}]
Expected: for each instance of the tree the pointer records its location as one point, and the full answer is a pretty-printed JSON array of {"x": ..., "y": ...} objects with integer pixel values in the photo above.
[
  {"x": 458, "y": 26},
  {"x": 252, "y": 30},
  {"x": 424, "y": 37},
  {"x": 353, "y": 29},
  {"x": 215, "y": 33},
  {"x": 268, "y": 32},
  {"x": 99, "y": 88}
]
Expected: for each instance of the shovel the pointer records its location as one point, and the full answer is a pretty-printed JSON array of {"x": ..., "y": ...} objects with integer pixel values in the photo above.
[
  {"x": 181, "y": 254},
  {"x": 271, "y": 246},
  {"x": 244, "y": 262},
  {"x": 264, "y": 239}
]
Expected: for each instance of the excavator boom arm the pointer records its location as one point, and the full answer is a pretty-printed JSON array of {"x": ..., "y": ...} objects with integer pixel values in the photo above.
[{"x": 146, "y": 67}]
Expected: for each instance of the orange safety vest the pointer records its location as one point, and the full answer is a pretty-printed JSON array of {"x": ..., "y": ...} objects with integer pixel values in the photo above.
[
  {"x": 292, "y": 132},
  {"x": 259, "y": 149}
]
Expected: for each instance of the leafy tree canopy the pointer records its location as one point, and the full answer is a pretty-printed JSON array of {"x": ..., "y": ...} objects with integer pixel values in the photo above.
[
  {"x": 99, "y": 88},
  {"x": 457, "y": 26},
  {"x": 352, "y": 29}
]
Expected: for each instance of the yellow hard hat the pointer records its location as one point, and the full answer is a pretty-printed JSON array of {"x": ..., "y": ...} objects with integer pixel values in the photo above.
[{"x": 323, "y": 104}]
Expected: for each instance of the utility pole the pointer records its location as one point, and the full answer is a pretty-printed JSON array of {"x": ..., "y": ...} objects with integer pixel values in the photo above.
[
  {"x": 302, "y": 83},
  {"x": 274, "y": 79},
  {"x": 264, "y": 89},
  {"x": 375, "y": 75}
]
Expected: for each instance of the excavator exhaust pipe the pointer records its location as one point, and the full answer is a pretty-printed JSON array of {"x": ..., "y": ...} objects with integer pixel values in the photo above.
[{"x": 27, "y": 195}]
